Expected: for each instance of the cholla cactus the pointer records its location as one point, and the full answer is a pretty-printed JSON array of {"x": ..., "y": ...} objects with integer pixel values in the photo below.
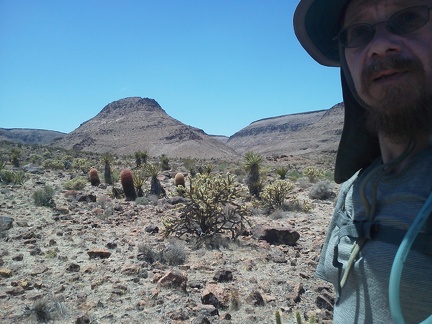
[
  {"x": 273, "y": 195},
  {"x": 212, "y": 208},
  {"x": 127, "y": 182},
  {"x": 313, "y": 173}
]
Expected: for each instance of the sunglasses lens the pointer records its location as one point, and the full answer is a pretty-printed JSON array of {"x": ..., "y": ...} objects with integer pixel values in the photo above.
[
  {"x": 409, "y": 20},
  {"x": 402, "y": 22},
  {"x": 356, "y": 35}
]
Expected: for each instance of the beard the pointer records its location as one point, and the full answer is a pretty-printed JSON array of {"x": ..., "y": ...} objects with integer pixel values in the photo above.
[{"x": 401, "y": 111}]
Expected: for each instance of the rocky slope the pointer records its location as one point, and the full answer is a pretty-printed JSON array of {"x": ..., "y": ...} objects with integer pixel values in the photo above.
[
  {"x": 316, "y": 132},
  {"x": 29, "y": 136},
  {"x": 140, "y": 124}
]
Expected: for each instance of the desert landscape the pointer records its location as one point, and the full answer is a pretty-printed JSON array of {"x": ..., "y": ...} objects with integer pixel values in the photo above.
[{"x": 78, "y": 251}]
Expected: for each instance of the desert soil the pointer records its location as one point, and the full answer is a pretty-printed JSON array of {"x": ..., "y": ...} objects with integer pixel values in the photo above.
[{"x": 85, "y": 262}]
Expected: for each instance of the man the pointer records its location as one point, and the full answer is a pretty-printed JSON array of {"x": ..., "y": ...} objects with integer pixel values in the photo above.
[{"x": 384, "y": 50}]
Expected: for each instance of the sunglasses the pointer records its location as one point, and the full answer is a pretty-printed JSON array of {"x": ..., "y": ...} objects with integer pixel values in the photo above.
[{"x": 402, "y": 22}]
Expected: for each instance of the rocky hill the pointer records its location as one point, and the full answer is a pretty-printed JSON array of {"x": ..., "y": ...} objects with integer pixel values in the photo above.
[
  {"x": 29, "y": 136},
  {"x": 137, "y": 124},
  {"x": 295, "y": 134}
]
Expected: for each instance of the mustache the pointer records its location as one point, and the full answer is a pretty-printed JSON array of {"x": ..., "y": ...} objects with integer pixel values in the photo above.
[{"x": 393, "y": 62}]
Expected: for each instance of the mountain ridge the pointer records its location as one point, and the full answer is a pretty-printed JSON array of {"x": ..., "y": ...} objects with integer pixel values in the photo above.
[{"x": 134, "y": 124}]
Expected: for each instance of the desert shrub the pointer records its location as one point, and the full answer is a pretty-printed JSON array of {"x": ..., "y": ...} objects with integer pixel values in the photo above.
[
  {"x": 77, "y": 183},
  {"x": 322, "y": 190},
  {"x": 277, "y": 214},
  {"x": 164, "y": 162},
  {"x": 42, "y": 311},
  {"x": 211, "y": 208},
  {"x": 13, "y": 177},
  {"x": 296, "y": 204},
  {"x": 54, "y": 164},
  {"x": 2, "y": 164},
  {"x": 294, "y": 175},
  {"x": 81, "y": 164},
  {"x": 273, "y": 195},
  {"x": 35, "y": 158},
  {"x": 174, "y": 253},
  {"x": 44, "y": 197},
  {"x": 313, "y": 173},
  {"x": 239, "y": 172}
]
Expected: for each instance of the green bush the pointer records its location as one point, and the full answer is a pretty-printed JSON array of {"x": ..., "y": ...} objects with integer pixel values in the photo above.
[
  {"x": 273, "y": 195},
  {"x": 44, "y": 197},
  {"x": 81, "y": 164},
  {"x": 54, "y": 164},
  {"x": 14, "y": 177},
  {"x": 77, "y": 183},
  {"x": 211, "y": 208}
]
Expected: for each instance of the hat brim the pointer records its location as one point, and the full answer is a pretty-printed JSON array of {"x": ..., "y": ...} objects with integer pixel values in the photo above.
[{"x": 316, "y": 24}]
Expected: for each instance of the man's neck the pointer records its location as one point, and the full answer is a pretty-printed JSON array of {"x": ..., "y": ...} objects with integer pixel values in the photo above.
[{"x": 391, "y": 149}]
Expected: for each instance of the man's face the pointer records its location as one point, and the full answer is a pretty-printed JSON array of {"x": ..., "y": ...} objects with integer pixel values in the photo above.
[{"x": 392, "y": 73}]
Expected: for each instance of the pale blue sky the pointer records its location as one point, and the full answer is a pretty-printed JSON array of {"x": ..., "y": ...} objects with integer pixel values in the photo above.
[{"x": 213, "y": 64}]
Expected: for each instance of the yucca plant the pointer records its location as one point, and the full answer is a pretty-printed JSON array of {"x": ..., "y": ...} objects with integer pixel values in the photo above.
[
  {"x": 140, "y": 158},
  {"x": 155, "y": 186},
  {"x": 107, "y": 159},
  {"x": 282, "y": 172},
  {"x": 15, "y": 156},
  {"x": 252, "y": 166},
  {"x": 138, "y": 181}
]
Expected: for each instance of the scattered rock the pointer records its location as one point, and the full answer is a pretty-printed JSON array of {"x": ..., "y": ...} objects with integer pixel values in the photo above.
[
  {"x": 73, "y": 267},
  {"x": 99, "y": 253},
  {"x": 215, "y": 295},
  {"x": 223, "y": 276},
  {"x": 6, "y": 223},
  {"x": 152, "y": 229},
  {"x": 5, "y": 273},
  {"x": 174, "y": 278},
  {"x": 276, "y": 236},
  {"x": 255, "y": 298}
]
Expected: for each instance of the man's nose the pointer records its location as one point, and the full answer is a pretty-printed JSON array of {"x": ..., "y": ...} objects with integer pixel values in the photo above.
[{"x": 384, "y": 41}]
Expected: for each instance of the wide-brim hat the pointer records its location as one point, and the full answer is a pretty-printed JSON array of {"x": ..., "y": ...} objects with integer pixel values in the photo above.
[{"x": 316, "y": 25}]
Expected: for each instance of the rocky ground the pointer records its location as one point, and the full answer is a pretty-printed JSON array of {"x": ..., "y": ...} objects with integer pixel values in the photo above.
[{"x": 95, "y": 259}]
